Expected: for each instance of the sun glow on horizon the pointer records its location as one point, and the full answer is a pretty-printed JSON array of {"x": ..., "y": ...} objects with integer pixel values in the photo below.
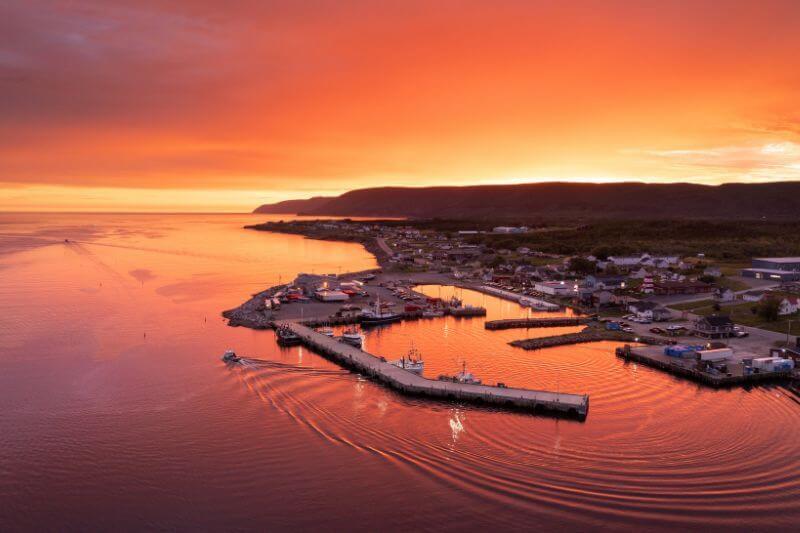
[{"x": 223, "y": 111}]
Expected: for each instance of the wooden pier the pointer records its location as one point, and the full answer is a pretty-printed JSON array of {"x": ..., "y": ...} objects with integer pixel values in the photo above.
[
  {"x": 571, "y": 405},
  {"x": 554, "y": 322}
]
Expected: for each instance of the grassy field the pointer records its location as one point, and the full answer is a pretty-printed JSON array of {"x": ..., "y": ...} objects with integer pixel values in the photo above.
[
  {"x": 733, "y": 284},
  {"x": 689, "y": 306},
  {"x": 728, "y": 244}
]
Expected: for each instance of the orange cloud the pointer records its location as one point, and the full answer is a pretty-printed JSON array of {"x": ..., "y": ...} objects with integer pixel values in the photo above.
[{"x": 297, "y": 98}]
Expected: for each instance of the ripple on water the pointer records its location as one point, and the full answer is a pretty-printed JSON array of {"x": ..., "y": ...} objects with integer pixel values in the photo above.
[{"x": 653, "y": 447}]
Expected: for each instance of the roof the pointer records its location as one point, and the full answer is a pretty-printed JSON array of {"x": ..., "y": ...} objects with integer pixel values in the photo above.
[
  {"x": 718, "y": 321},
  {"x": 770, "y": 271},
  {"x": 778, "y": 259},
  {"x": 667, "y": 284},
  {"x": 607, "y": 278}
]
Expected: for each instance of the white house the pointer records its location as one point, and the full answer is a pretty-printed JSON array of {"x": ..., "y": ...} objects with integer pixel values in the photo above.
[
  {"x": 753, "y": 296},
  {"x": 649, "y": 311},
  {"x": 724, "y": 295},
  {"x": 625, "y": 261},
  {"x": 789, "y": 306},
  {"x": 553, "y": 288},
  {"x": 510, "y": 229}
]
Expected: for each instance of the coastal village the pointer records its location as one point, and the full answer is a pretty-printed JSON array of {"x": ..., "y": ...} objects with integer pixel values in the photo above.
[{"x": 692, "y": 316}]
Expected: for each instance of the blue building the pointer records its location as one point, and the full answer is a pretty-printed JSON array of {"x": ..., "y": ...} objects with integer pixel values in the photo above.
[{"x": 774, "y": 268}]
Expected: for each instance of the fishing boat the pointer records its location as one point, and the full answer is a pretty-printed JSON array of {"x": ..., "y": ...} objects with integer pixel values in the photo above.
[
  {"x": 455, "y": 302},
  {"x": 378, "y": 315},
  {"x": 352, "y": 337},
  {"x": 230, "y": 357},
  {"x": 462, "y": 377},
  {"x": 327, "y": 331},
  {"x": 468, "y": 310},
  {"x": 287, "y": 337},
  {"x": 412, "y": 361},
  {"x": 432, "y": 313},
  {"x": 466, "y": 377}
]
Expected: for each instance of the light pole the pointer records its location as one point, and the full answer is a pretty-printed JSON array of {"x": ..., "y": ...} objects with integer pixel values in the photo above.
[{"x": 788, "y": 330}]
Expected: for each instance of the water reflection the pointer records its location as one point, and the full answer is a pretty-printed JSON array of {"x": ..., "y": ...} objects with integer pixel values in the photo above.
[
  {"x": 456, "y": 422},
  {"x": 133, "y": 424}
]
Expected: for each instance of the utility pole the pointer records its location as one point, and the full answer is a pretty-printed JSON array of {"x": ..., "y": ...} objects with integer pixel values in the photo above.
[{"x": 788, "y": 331}]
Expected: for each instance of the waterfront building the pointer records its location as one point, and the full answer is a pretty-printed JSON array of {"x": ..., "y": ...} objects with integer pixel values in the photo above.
[
  {"x": 714, "y": 327},
  {"x": 774, "y": 268}
]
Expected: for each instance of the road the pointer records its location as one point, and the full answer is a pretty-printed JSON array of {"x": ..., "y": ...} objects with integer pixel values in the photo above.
[{"x": 383, "y": 246}]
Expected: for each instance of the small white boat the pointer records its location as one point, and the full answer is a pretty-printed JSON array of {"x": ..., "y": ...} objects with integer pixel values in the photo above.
[
  {"x": 462, "y": 377},
  {"x": 432, "y": 313},
  {"x": 230, "y": 357},
  {"x": 412, "y": 361},
  {"x": 466, "y": 377},
  {"x": 328, "y": 332},
  {"x": 352, "y": 337}
]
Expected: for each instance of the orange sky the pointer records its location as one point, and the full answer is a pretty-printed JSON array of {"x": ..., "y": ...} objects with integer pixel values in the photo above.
[{"x": 198, "y": 105}]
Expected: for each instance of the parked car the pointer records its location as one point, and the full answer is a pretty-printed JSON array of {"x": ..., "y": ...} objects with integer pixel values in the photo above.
[
  {"x": 741, "y": 334},
  {"x": 657, "y": 331}
]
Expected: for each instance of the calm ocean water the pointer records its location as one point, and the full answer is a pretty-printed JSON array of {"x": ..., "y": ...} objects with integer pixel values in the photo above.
[{"x": 117, "y": 413}]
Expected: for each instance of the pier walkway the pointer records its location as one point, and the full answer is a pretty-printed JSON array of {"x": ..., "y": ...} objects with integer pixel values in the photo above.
[
  {"x": 574, "y": 405},
  {"x": 537, "y": 322}
]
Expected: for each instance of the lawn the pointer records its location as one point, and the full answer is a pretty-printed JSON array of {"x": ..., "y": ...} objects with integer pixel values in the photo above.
[
  {"x": 733, "y": 284},
  {"x": 689, "y": 306},
  {"x": 731, "y": 268}
]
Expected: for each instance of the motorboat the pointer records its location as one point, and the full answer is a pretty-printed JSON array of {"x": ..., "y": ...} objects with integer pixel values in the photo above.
[
  {"x": 412, "y": 361},
  {"x": 230, "y": 357},
  {"x": 287, "y": 337},
  {"x": 352, "y": 337},
  {"x": 328, "y": 332}
]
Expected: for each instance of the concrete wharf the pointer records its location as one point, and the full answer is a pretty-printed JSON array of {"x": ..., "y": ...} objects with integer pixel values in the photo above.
[
  {"x": 403, "y": 381},
  {"x": 653, "y": 357},
  {"x": 553, "y": 322}
]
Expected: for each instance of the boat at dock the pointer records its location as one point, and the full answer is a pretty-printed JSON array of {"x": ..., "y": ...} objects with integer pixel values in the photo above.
[
  {"x": 468, "y": 310},
  {"x": 412, "y": 361},
  {"x": 462, "y": 377},
  {"x": 352, "y": 337},
  {"x": 230, "y": 357},
  {"x": 327, "y": 331},
  {"x": 377, "y": 314},
  {"x": 287, "y": 337}
]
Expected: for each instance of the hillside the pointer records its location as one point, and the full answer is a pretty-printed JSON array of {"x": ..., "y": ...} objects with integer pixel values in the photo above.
[
  {"x": 555, "y": 199},
  {"x": 293, "y": 206}
]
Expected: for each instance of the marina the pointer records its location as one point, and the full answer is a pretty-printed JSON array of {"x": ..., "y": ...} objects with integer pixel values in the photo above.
[{"x": 405, "y": 382}]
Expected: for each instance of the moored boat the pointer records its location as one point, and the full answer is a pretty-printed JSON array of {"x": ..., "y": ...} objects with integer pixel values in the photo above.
[
  {"x": 287, "y": 337},
  {"x": 412, "y": 361},
  {"x": 378, "y": 315},
  {"x": 352, "y": 337},
  {"x": 462, "y": 377}
]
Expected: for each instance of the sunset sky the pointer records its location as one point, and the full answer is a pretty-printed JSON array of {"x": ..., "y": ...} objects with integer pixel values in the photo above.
[{"x": 222, "y": 106}]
